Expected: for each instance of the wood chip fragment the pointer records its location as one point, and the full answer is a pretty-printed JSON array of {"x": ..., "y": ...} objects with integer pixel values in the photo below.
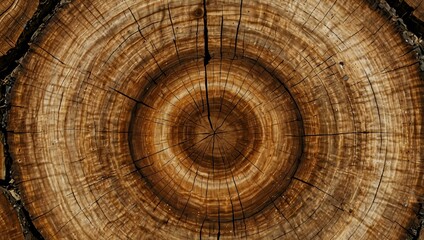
[{"x": 9, "y": 223}]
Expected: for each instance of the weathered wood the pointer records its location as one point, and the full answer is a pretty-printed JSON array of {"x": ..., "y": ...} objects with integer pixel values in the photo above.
[
  {"x": 219, "y": 119},
  {"x": 9, "y": 223},
  {"x": 418, "y": 8},
  {"x": 412, "y": 12},
  {"x": 13, "y": 18},
  {"x": 14, "y": 14}
]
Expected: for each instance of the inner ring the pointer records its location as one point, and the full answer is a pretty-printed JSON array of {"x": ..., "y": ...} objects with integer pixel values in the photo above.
[
  {"x": 220, "y": 161},
  {"x": 221, "y": 144}
]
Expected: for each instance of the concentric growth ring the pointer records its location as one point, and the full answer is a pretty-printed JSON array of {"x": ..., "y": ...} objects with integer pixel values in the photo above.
[
  {"x": 304, "y": 123},
  {"x": 225, "y": 169}
]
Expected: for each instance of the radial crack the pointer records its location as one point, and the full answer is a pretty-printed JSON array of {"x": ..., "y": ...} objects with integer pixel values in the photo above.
[
  {"x": 206, "y": 60},
  {"x": 238, "y": 28},
  {"x": 135, "y": 100}
]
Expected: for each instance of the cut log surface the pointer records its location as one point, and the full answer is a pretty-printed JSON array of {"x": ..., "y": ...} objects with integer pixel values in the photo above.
[
  {"x": 9, "y": 223},
  {"x": 219, "y": 120},
  {"x": 418, "y": 6},
  {"x": 14, "y": 14}
]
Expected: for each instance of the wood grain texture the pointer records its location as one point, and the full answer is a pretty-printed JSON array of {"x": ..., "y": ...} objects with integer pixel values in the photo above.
[
  {"x": 418, "y": 6},
  {"x": 219, "y": 119},
  {"x": 9, "y": 223},
  {"x": 14, "y": 14}
]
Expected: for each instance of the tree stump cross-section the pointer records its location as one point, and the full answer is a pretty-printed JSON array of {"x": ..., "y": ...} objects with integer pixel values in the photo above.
[{"x": 219, "y": 119}]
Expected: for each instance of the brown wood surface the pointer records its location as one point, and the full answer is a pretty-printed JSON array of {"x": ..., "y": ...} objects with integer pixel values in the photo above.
[
  {"x": 14, "y": 14},
  {"x": 219, "y": 120},
  {"x": 9, "y": 223},
  {"x": 418, "y": 6}
]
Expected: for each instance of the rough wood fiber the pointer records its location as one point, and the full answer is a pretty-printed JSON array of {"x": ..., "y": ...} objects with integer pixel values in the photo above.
[
  {"x": 14, "y": 14},
  {"x": 418, "y": 6},
  {"x": 9, "y": 223},
  {"x": 412, "y": 13},
  {"x": 219, "y": 119}
]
